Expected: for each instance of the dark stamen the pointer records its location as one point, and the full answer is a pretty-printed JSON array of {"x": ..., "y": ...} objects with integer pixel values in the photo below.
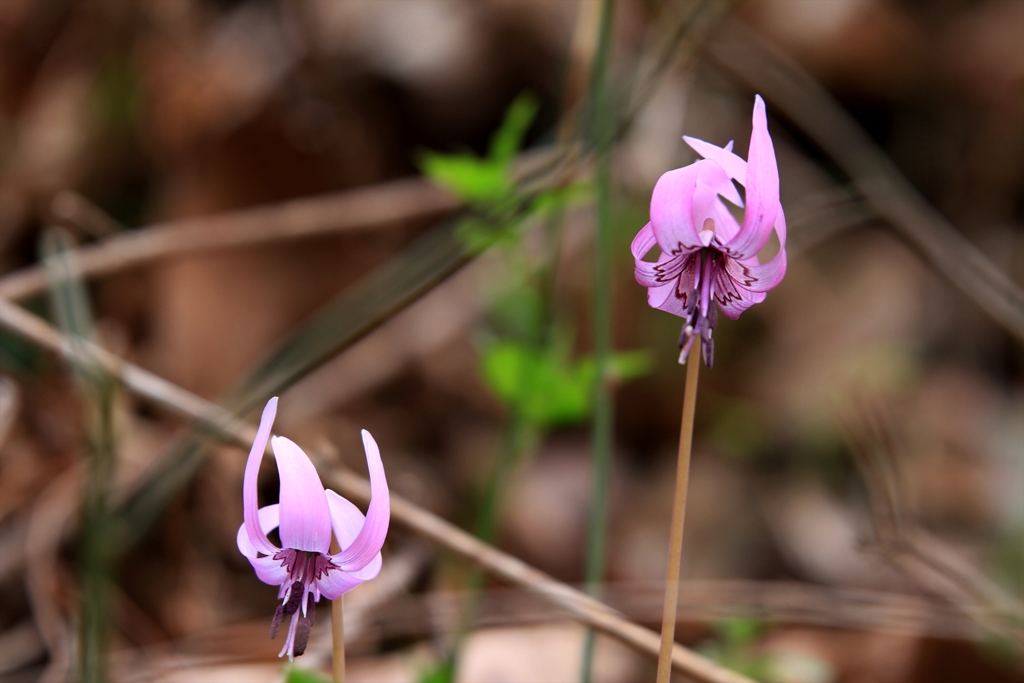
[
  {"x": 305, "y": 625},
  {"x": 294, "y": 598},
  {"x": 278, "y": 616}
]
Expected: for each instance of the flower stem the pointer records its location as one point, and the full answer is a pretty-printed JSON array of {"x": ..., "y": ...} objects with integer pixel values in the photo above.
[
  {"x": 675, "y": 546},
  {"x": 338, "y": 629}
]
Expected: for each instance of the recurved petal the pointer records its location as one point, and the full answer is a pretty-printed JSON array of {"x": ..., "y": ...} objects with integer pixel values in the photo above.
[
  {"x": 762, "y": 185},
  {"x": 269, "y": 519},
  {"x": 733, "y": 165},
  {"x": 347, "y": 521},
  {"x": 257, "y": 537},
  {"x": 755, "y": 276},
  {"x": 270, "y": 571},
  {"x": 335, "y": 582},
  {"x": 672, "y": 210},
  {"x": 714, "y": 176},
  {"x": 370, "y": 538},
  {"x": 305, "y": 517},
  {"x": 731, "y": 298},
  {"x": 645, "y": 272},
  {"x": 665, "y": 298}
]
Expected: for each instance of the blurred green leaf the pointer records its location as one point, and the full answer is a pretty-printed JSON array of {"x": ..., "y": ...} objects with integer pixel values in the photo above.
[
  {"x": 297, "y": 675},
  {"x": 733, "y": 649},
  {"x": 485, "y": 181},
  {"x": 476, "y": 180},
  {"x": 544, "y": 385},
  {"x": 629, "y": 365},
  {"x": 444, "y": 672}
]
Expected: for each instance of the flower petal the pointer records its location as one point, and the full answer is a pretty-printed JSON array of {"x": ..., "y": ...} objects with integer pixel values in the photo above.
[
  {"x": 305, "y": 517},
  {"x": 270, "y": 571},
  {"x": 734, "y": 166},
  {"x": 732, "y": 298},
  {"x": 762, "y": 185},
  {"x": 712, "y": 175},
  {"x": 335, "y": 582},
  {"x": 644, "y": 272},
  {"x": 672, "y": 210},
  {"x": 269, "y": 519},
  {"x": 257, "y": 537},
  {"x": 347, "y": 521},
  {"x": 370, "y": 539}
]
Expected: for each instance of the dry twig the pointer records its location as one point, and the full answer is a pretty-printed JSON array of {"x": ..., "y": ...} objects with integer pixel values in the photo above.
[
  {"x": 359, "y": 209},
  {"x": 575, "y": 603}
]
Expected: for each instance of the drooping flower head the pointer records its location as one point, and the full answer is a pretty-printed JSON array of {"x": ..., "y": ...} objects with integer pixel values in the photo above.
[
  {"x": 706, "y": 254},
  {"x": 306, "y": 516}
]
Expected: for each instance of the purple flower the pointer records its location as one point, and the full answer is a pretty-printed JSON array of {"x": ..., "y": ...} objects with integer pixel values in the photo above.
[
  {"x": 705, "y": 253},
  {"x": 306, "y": 515}
]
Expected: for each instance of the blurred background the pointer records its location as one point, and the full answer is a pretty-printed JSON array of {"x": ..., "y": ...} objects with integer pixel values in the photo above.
[{"x": 856, "y": 508}]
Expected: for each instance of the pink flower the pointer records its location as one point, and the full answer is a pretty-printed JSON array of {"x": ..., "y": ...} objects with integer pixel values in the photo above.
[
  {"x": 307, "y": 514},
  {"x": 705, "y": 253}
]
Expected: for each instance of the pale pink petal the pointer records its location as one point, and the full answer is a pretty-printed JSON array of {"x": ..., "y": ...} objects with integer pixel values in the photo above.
[
  {"x": 665, "y": 298},
  {"x": 726, "y": 225},
  {"x": 370, "y": 539},
  {"x": 644, "y": 241},
  {"x": 731, "y": 298},
  {"x": 672, "y": 210},
  {"x": 305, "y": 517},
  {"x": 270, "y": 571},
  {"x": 762, "y": 185},
  {"x": 269, "y": 519},
  {"x": 757, "y": 277},
  {"x": 347, "y": 520},
  {"x": 734, "y": 166},
  {"x": 712, "y": 175},
  {"x": 257, "y": 536},
  {"x": 335, "y": 582}
]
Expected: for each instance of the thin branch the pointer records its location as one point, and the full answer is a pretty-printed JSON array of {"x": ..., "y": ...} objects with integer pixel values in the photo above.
[
  {"x": 576, "y": 604},
  {"x": 359, "y": 209},
  {"x": 807, "y": 104}
]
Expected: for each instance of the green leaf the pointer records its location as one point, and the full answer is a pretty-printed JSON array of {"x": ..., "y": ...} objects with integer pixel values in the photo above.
[
  {"x": 442, "y": 673},
  {"x": 297, "y": 675},
  {"x": 485, "y": 182},
  {"x": 629, "y": 365},
  {"x": 475, "y": 180},
  {"x": 508, "y": 140},
  {"x": 544, "y": 385}
]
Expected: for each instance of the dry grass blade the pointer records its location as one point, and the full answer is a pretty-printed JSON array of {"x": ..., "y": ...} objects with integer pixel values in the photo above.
[
  {"x": 687, "y": 32},
  {"x": 702, "y": 601},
  {"x": 807, "y": 104},
  {"x": 356, "y": 312},
  {"x": 359, "y": 209},
  {"x": 576, "y": 604},
  {"x": 10, "y": 403},
  {"x": 911, "y": 549}
]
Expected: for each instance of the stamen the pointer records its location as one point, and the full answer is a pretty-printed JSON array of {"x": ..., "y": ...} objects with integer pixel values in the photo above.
[
  {"x": 294, "y": 598},
  {"x": 303, "y": 628},
  {"x": 276, "y": 621}
]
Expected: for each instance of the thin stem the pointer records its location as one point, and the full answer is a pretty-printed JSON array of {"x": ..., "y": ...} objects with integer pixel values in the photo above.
[
  {"x": 675, "y": 544},
  {"x": 338, "y": 638},
  {"x": 337, "y": 628},
  {"x": 603, "y": 402}
]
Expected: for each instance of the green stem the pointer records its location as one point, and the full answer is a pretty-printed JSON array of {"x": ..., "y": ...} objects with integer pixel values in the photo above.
[{"x": 603, "y": 402}]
